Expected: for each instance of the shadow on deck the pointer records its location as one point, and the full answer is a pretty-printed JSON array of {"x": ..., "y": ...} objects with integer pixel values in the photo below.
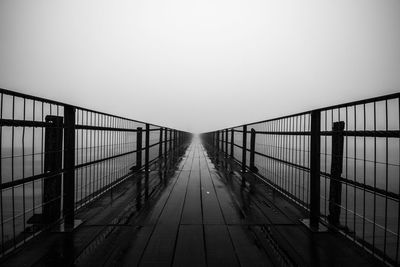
[{"x": 191, "y": 213}]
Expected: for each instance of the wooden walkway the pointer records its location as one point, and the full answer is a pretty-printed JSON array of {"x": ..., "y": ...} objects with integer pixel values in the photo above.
[
  {"x": 194, "y": 222},
  {"x": 197, "y": 214}
]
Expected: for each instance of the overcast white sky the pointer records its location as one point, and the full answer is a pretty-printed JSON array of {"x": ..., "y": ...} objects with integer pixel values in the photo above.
[{"x": 200, "y": 65}]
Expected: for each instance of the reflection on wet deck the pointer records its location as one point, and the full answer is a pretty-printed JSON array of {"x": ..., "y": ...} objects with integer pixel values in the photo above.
[{"x": 191, "y": 211}]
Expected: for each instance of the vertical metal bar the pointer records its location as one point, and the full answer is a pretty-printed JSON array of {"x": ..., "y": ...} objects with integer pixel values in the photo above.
[
  {"x": 95, "y": 169},
  {"x": 175, "y": 139},
  {"x": 217, "y": 147},
  {"x": 222, "y": 142},
  {"x": 375, "y": 170},
  {"x": 147, "y": 144},
  {"x": 364, "y": 172},
  {"x": 33, "y": 156},
  {"x": 165, "y": 142},
  {"x": 226, "y": 143},
  {"x": 315, "y": 168},
  {"x": 217, "y": 138},
  {"x": 212, "y": 139},
  {"x": 146, "y": 162},
  {"x": 23, "y": 172},
  {"x": 386, "y": 180},
  {"x": 170, "y": 140},
  {"x": 160, "y": 143},
  {"x": 86, "y": 155},
  {"x": 1, "y": 178},
  {"x": 244, "y": 148},
  {"x": 252, "y": 150},
  {"x": 12, "y": 170},
  {"x": 138, "y": 148},
  {"x": 354, "y": 175},
  {"x": 69, "y": 164},
  {"x": 335, "y": 188},
  {"x": 398, "y": 204},
  {"x": 232, "y": 142},
  {"x": 325, "y": 160},
  {"x": 51, "y": 197}
]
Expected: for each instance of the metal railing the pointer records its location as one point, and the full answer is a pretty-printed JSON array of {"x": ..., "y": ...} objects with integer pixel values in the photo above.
[
  {"x": 56, "y": 158},
  {"x": 340, "y": 163}
]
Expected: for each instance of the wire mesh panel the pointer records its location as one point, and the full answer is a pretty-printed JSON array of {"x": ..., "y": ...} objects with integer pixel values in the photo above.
[
  {"x": 357, "y": 180},
  {"x": 27, "y": 163},
  {"x": 369, "y": 199},
  {"x": 282, "y": 154},
  {"x": 36, "y": 153},
  {"x": 105, "y": 152}
]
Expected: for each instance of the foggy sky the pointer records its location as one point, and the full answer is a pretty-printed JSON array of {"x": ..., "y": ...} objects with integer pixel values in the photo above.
[{"x": 200, "y": 65}]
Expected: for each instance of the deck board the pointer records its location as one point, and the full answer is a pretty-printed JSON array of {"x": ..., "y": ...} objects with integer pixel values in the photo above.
[{"x": 197, "y": 215}]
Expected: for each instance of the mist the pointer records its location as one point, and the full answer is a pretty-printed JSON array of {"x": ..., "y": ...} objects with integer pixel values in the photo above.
[{"x": 200, "y": 65}]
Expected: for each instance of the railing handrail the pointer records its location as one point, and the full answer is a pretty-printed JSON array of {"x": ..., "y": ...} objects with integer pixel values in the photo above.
[
  {"x": 49, "y": 101},
  {"x": 353, "y": 103}
]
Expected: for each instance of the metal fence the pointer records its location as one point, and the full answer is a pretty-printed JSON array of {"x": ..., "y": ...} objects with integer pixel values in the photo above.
[
  {"x": 340, "y": 163},
  {"x": 56, "y": 158}
]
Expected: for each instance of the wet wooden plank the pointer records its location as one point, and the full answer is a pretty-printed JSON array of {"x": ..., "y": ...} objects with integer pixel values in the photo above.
[
  {"x": 247, "y": 251},
  {"x": 320, "y": 249},
  {"x": 131, "y": 255},
  {"x": 150, "y": 214},
  {"x": 230, "y": 209},
  {"x": 192, "y": 208},
  {"x": 190, "y": 247},
  {"x": 220, "y": 251},
  {"x": 160, "y": 249},
  {"x": 211, "y": 210}
]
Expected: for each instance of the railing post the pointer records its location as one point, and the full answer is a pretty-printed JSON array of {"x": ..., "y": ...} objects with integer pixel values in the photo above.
[
  {"x": 69, "y": 164},
  {"x": 222, "y": 142},
  {"x": 213, "y": 139},
  {"x": 315, "y": 169},
  {"x": 217, "y": 146},
  {"x": 146, "y": 152},
  {"x": 165, "y": 142},
  {"x": 139, "y": 148},
  {"x": 253, "y": 168},
  {"x": 161, "y": 143},
  {"x": 226, "y": 143},
  {"x": 146, "y": 161},
  {"x": 51, "y": 197},
  {"x": 170, "y": 140},
  {"x": 335, "y": 188},
  {"x": 244, "y": 148},
  {"x": 232, "y": 142},
  {"x": 217, "y": 140},
  {"x": 175, "y": 139}
]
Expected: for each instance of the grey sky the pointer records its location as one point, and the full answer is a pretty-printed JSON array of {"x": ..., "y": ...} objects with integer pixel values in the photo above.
[{"x": 204, "y": 64}]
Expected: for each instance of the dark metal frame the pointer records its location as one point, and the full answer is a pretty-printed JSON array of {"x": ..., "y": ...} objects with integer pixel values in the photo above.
[
  {"x": 295, "y": 152},
  {"x": 99, "y": 152}
]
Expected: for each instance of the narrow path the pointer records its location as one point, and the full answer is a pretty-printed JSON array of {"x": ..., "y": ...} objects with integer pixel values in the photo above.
[
  {"x": 194, "y": 223},
  {"x": 197, "y": 213}
]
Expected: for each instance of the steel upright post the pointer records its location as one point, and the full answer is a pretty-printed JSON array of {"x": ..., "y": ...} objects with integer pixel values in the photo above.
[
  {"x": 335, "y": 188},
  {"x": 51, "y": 197},
  {"x": 139, "y": 148},
  {"x": 161, "y": 143},
  {"x": 232, "y": 142},
  {"x": 147, "y": 144},
  {"x": 252, "y": 150},
  {"x": 165, "y": 142},
  {"x": 226, "y": 143},
  {"x": 69, "y": 165},
  {"x": 244, "y": 148},
  {"x": 315, "y": 169}
]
